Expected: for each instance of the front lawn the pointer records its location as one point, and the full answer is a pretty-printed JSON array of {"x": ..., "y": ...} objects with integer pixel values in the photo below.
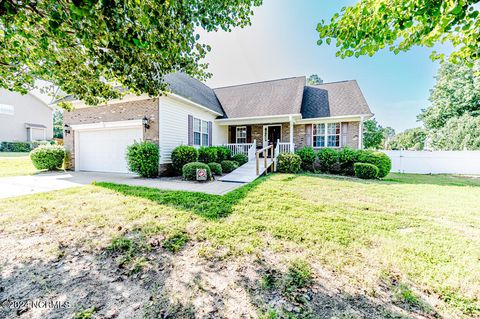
[
  {"x": 12, "y": 164},
  {"x": 285, "y": 246}
]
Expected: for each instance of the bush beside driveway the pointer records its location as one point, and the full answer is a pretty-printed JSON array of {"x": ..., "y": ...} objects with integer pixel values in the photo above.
[{"x": 299, "y": 245}]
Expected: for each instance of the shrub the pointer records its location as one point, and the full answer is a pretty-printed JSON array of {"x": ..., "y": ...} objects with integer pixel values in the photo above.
[
  {"x": 215, "y": 168},
  {"x": 189, "y": 170},
  {"x": 328, "y": 158},
  {"x": 22, "y": 146},
  {"x": 183, "y": 155},
  {"x": 289, "y": 163},
  {"x": 223, "y": 154},
  {"x": 346, "y": 158},
  {"x": 142, "y": 158},
  {"x": 229, "y": 166},
  {"x": 365, "y": 170},
  {"x": 379, "y": 159},
  {"x": 48, "y": 157},
  {"x": 240, "y": 159},
  {"x": 207, "y": 154},
  {"x": 307, "y": 154}
]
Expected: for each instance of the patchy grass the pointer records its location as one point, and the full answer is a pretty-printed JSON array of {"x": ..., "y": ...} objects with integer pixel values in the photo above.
[
  {"x": 13, "y": 164},
  {"x": 421, "y": 230}
]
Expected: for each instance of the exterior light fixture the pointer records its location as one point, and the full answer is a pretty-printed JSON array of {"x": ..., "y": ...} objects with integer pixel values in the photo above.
[
  {"x": 146, "y": 122},
  {"x": 67, "y": 129}
]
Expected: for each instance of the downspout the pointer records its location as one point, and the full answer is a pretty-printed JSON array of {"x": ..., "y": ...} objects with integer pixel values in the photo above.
[{"x": 360, "y": 133}]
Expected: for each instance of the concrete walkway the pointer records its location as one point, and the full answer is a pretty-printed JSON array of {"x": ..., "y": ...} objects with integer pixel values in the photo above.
[
  {"x": 247, "y": 172},
  {"x": 45, "y": 182}
]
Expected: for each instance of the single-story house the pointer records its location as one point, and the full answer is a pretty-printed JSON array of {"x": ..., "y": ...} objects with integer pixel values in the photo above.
[
  {"x": 284, "y": 111},
  {"x": 24, "y": 118}
]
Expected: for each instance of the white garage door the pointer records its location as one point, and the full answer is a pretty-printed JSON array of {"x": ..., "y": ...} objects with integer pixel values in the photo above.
[{"x": 104, "y": 150}]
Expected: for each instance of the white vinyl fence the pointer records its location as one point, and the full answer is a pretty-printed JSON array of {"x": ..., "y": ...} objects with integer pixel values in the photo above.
[{"x": 436, "y": 162}]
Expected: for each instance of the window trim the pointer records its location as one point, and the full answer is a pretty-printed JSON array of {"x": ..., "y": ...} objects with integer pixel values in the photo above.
[
  {"x": 203, "y": 125},
  {"x": 236, "y": 134},
  {"x": 325, "y": 135}
]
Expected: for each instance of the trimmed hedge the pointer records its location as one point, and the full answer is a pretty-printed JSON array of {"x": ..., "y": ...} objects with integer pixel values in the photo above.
[
  {"x": 365, "y": 170},
  {"x": 328, "y": 160},
  {"x": 379, "y": 159},
  {"x": 215, "y": 168},
  {"x": 22, "y": 146},
  {"x": 240, "y": 159},
  {"x": 48, "y": 157},
  {"x": 347, "y": 157},
  {"x": 189, "y": 171},
  {"x": 207, "y": 154},
  {"x": 308, "y": 156},
  {"x": 289, "y": 163},
  {"x": 182, "y": 155},
  {"x": 223, "y": 154},
  {"x": 229, "y": 166},
  {"x": 142, "y": 158}
]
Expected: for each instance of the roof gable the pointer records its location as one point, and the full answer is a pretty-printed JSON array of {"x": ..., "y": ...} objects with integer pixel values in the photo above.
[
  {"x": 334, "y": 99},
  {"x": 269, "y": 98}
]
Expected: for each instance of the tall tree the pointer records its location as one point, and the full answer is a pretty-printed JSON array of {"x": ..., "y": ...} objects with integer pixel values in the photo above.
[
  {"x": 87, "y": 48},
  {"x": 57, "y": 124},
  {"x": 388, "y": 134},
  {"x": 412, "y": 139},
  {"x": 456, "y": 92},
  {"x": 458, "y": 134},
  {"x": 371, "y": 25},
  {"x": 314, "y": 79},
  {"x": 372, "y": 134}
]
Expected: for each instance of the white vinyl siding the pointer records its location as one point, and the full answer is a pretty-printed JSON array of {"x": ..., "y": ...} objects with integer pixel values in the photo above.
[{"x": 173, "y": 126}]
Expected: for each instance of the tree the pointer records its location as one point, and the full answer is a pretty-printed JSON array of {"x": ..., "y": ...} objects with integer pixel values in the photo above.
[
  {"x": 57, "y": 124},
  {"x": 456, "y": 92},
  {"x": 412, "y": 139},
  {"x": 314, "y": 79},
  {"x": 372, "y": 25},
  {"x": 458, "y": 134},
  {"x": 372, "y": 134},
  {"x": 89, "y": 48},
  {"x": 388, "y": 134}
]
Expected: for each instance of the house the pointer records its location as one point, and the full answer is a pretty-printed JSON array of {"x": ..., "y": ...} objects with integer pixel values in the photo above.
[
  {"x": 284, "y": 112},
  {"x": 24, "y": 118}
]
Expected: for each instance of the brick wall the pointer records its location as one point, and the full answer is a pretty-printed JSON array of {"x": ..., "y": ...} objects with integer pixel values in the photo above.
[{"x": 132, "y": 110}]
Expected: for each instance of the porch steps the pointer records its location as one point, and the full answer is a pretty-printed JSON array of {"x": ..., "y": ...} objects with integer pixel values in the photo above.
[{"x": 246, "y": 173}]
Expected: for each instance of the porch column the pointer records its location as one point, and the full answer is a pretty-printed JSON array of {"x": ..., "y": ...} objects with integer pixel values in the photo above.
[
  {"x": 360, "y": 134},
  {"x": 291, "y": 135}
]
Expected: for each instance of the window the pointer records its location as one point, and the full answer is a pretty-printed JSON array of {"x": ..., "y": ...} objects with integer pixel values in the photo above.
[
  {"x": 7, "y": 109},
  {"x": 326, "y": 135},
  {"x": 318, "y": 135},
  {"x": 241, "y": 134},
  {"x": 200, "y": 132}
]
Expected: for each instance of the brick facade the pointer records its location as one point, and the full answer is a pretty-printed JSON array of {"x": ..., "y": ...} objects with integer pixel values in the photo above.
[{"x": 132, "y": 110}]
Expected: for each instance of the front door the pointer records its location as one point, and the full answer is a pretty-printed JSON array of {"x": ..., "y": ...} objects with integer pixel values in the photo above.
[{"x": 271, "y": 134}]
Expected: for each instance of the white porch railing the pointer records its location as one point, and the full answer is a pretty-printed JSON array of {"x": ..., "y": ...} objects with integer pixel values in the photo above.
[
  {"x": 243, "y": 148},
  {"x": 285, "y": 147}
]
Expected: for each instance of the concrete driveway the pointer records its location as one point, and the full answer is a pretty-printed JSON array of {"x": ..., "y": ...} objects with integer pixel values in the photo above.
[{"x": 45, "y": 182}]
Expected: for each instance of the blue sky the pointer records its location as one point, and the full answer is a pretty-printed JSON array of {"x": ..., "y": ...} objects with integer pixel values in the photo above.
[{"x": 282, "y": 43}]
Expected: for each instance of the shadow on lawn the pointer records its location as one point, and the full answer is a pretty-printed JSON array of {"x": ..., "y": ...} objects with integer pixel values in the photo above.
[
  {"x": 413, "y": 179},
  {"x": 205, "y": 205}
]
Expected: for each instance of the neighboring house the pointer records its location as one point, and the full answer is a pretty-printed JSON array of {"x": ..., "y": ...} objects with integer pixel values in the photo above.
[
  {"x": 286, "y": 111},
  {"x": 24, "y": 118}
]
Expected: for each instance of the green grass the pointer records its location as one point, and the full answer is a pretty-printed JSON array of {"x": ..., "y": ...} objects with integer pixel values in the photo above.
[
  {"x": 12, "y": 164},
  {"x": 421, "y": 232}
]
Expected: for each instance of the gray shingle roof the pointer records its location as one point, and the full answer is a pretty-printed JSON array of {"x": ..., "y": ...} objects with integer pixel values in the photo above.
[
  {"x": 194, "y": 90},
  {"x": 277, "y": 97},
  {"x": 334, "y": 99}
]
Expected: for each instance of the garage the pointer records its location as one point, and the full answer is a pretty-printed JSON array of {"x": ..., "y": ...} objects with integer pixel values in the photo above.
[{"x": 102, "y": 149}]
